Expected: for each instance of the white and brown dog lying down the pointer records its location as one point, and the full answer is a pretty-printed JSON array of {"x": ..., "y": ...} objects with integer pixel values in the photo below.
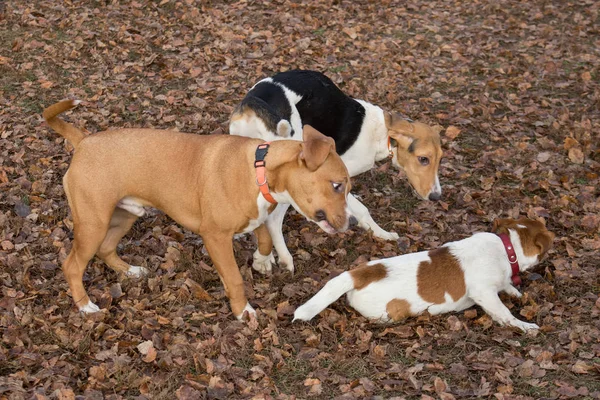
[
  {"x": 208, "y": 184},
  {"x": 277, "y": 108},
  {"x": 452, "y": 278}
]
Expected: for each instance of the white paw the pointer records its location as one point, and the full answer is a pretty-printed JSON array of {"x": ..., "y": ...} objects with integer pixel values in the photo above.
[
  {"x": 304, "y": 313},
  {"x": 89, "y": 308},
  {"x": 263, "y": 264},
  {"x": 386, "y": 235},
  {"x": 137, "y": 272},
  {"x": 250, "y": 309},
  {"x": 287, "y": 261},
  {"x": 524, "y": 326}
]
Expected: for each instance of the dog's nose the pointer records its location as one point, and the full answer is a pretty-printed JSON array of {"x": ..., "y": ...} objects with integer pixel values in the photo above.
[
  {"x": 433, "y": 196},
  {"x": 353, "y": 221},
  {"x": 320, "y": 215}
]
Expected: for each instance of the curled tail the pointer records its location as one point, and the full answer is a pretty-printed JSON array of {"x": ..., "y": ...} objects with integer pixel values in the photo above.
[
  {"x": 332, "y": 291},
  {"x": 256, "y": 118},
  {"x": 65, "y": 129}
]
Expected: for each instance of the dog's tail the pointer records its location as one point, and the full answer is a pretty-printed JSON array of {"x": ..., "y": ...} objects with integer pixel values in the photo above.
[
  {"x": 242, "y": 121},
  {"x": 332, "y": 291},
  {"x": 66, "y": 130}
]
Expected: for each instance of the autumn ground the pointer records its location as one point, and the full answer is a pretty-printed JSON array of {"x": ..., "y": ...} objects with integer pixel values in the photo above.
[{"x": 515, "y": 83}]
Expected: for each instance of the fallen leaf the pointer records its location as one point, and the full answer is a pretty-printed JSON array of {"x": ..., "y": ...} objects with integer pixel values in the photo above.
[
  {"x": 586, "y": 76},
  {"x": 581, "y": 367},
  {"x": 576, "y": 155},
  {"x": 544, "y": 156},
  {"x": 452, "y": 132}
]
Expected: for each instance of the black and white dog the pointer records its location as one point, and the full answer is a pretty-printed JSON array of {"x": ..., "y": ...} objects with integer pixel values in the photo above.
[{"x": 278, "y": 107}]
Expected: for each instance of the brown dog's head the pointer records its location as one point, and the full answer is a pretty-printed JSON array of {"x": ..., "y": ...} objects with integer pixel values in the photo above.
[
  {"x": 418, "y": 151},
  {"x": 536, "y": 240},
  {"x": 315, "y": 178}
]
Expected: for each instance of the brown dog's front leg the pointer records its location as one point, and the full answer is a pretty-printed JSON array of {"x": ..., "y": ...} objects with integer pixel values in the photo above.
[{"x": 220, "y": 249}]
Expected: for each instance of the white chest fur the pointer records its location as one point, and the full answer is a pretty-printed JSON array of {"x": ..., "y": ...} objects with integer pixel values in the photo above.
[
  {"x": 371, "y": 143},
  {"x": 263, "y": 212}
]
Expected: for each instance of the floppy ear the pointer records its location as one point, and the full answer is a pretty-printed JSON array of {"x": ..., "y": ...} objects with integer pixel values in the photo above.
[
  {"x": 437, "y": 128},
  {"x": 543, "y": 241},
  {"x": 501, "y": 225},
  {"x": 399, "y": 129},
  {"x": 315, "y": 147}
]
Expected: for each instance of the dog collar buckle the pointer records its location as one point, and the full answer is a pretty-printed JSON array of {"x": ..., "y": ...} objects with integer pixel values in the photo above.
[
  {"x": 261, "y": 171},
  {"x": 512, "y": 258},
  {"x": 260, "y": 154}
]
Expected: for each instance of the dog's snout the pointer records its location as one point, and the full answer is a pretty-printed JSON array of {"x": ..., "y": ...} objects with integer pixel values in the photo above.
[
  {"x": 353, "y": 221},
  {"x": 433, "y": 196},
  {"x": 320, "y": 215}
]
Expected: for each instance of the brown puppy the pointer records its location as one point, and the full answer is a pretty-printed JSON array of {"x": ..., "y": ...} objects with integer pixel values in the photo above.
[{"x": 208, "y": 184}]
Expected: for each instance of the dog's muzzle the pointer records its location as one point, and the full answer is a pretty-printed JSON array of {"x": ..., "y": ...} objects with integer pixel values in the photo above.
[
  {"x": 435, "y": 196},
  {"x": 329, "y": 227}
]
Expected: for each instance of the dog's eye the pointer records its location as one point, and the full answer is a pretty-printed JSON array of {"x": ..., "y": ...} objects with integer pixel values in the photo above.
[
  {"x": 423, "y": 160},
  {"x": 337, "y": 187}
]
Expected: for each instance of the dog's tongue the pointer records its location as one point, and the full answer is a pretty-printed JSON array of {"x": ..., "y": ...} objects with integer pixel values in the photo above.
[{"x": 326, "y": 226}]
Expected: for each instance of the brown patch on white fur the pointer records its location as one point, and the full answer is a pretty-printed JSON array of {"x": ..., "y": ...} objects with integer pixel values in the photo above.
[
  {"x": 439, "y": 276},
  {"x": 535, "y": 238},
  {"x": 367, "y": 274},
  {"x": 398, "y": 309},
  {"x": 414, "y": 141}
]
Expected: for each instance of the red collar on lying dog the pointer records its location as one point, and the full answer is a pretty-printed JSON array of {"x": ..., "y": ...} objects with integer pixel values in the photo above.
[
  {"x": 512, "y": 258},
  {"x": 261, "y": 171}
]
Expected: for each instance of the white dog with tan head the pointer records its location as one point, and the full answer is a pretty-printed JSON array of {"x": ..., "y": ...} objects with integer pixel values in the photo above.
[{"x": 454, "y": 277}]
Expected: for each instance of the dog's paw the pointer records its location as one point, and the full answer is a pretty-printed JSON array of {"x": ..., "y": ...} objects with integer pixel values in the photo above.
[
  {"x": 248, "y": 309},
  {"x": 386, "y": 235},
  {"x": 512, "y": 291},
  {"x": 287, "y": 262},
  {"x": 136, "y": 272},
  {"x": 305, "y": 313},
  {"x": 524, "y": 326},
  {"x": 263, "y": 264},
  {"x": 89, "y": 308}
]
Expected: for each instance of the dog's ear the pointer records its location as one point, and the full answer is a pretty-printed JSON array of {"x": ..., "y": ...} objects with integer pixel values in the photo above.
[
  {"x": 543, "y": 241},
  {"x": 399, "y": 129},
  {"x": 437, "y": 129},
  {"x": 315, "y": 148},
  {"x": 501, "y": 225},
  {"x": 395, "y": 122}
]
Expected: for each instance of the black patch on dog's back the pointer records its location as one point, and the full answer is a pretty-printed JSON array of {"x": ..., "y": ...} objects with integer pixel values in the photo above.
[
  {"x": 269, "y": 103},
  {"x": 325, "y": 107}
]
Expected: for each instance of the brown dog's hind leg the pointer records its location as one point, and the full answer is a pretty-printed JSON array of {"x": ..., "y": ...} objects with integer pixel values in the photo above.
[
  {"x": 91, "y": 220},
  {"x": 263, "y": 258},
  {"x": 220, "y": 249},
  {"x": 120, "y": 224},
  {"x": 87, "y": 240}
]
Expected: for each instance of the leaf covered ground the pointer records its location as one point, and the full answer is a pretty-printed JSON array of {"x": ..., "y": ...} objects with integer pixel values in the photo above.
[{"x": 515, "y": 84}]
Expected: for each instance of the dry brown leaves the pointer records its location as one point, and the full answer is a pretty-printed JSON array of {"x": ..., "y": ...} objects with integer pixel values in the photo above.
[{"x": 515, "y": 85}]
